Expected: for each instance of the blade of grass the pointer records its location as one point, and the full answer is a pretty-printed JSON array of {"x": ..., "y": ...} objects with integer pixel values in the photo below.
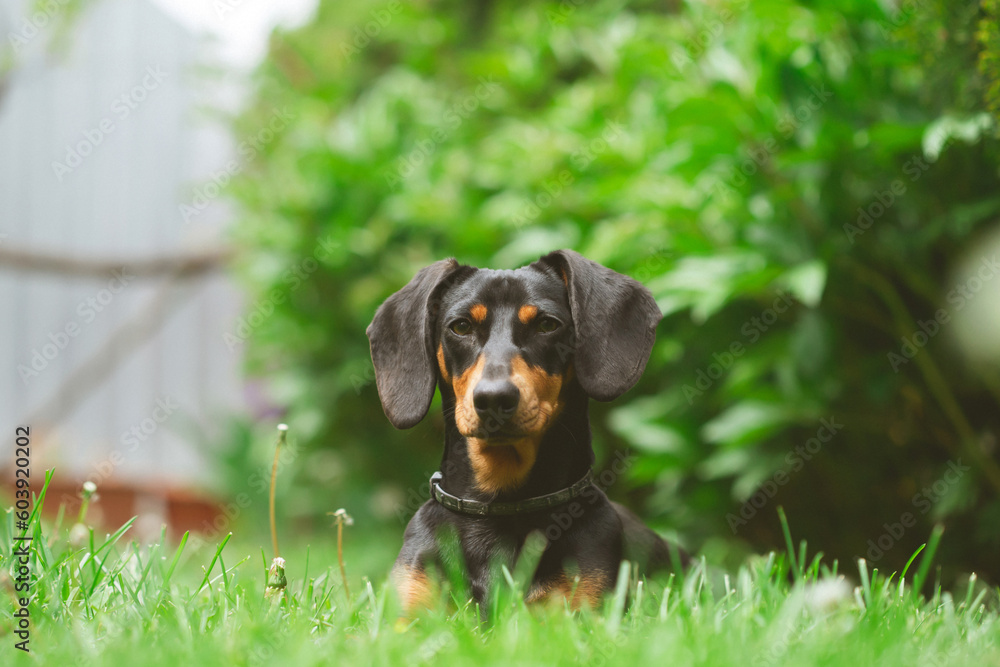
[
  {"x": 97, "y": 573},
  {"x": 975, "y": 606},
  {"x": 528, "y": 560},
  {"x": 147, "y": 568},
  {"x": 639, "y": 593},
  {"x": 906, "y": 568},
  {"x": 139, "y": 607},
  {"x": 970, "y": 590},
  {"x": 176, "y": 558},
  {"x": 226, "y": 570},
  {"x": 116, "y": 535},
  {"x": 225, "y": 582},
  {"x": 93, "y": 550},
  {"x": 305, "y": 575},
  {"x": 376, "y": 604},
  {"x": 902, "y": 577},
  {"x": 866, "y": 586},
  {"x": 57, "y": 524},
  {"x": 111, "y": 540},
  {"x": 617, "y": 610},
  {"x": 208, "y": 572},
  {"x": 788, "y": 541},
  {"x": 39, "y": 500},
  {"x": 665, "y": 600},
  {"x": 925, "y": 563},
  {"x": 812, "y": 572}
]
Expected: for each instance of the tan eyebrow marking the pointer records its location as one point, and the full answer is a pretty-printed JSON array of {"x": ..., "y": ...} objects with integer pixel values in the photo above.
[
  {"x": 441, "y": 364},
  {"x": 478, "y": 312},
  {"x": 527, "y": 313}
]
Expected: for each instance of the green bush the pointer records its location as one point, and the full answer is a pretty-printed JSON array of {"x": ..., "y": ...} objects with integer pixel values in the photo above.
[{"x": 795, "y": 182}]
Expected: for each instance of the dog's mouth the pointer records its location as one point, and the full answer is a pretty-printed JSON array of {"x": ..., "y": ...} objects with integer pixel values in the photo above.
[
  {"x": 495, "y": 431},
  {"x": 498, "y": 436}
]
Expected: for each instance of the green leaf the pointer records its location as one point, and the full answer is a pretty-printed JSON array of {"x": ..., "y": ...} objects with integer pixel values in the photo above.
[
  {"x": 705, "y": 284},
  {"x": 637, "y": 423},
  {"x": 949, "y": 127},
  {"x": 745, "y": 422},
  {"x": 806, "y": 282}
]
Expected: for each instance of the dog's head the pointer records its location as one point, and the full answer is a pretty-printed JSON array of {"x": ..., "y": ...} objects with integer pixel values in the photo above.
[{"x": 507, "y": 344}]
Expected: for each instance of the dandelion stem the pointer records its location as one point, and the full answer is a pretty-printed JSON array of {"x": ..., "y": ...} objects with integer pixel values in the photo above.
[
  {"x": 282, "y": 430},
  {"x": 342, "y": 518},
  {"x": 340, "y": 558}
]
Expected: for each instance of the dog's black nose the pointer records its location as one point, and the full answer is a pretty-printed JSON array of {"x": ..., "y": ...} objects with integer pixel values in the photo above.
[{"x": 494, "y": 398}]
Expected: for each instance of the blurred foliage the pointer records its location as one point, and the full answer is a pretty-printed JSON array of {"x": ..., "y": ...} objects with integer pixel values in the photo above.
[
  {"x": 54, "y": 19},
  {"x": 795, "y": 182},
  {"x": 989, "y": 57}
]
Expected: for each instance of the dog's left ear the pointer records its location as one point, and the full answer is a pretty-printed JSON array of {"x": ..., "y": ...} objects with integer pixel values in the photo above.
[
  {"x": 400, "y": 338},
  {"x": 614, "y": 318}
]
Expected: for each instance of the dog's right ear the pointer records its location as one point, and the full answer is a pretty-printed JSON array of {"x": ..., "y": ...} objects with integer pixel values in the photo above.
[{"x": 400, "y": 338}]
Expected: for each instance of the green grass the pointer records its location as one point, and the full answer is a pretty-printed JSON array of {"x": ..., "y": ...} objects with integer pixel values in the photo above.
[{"x": 111, "y": 601}]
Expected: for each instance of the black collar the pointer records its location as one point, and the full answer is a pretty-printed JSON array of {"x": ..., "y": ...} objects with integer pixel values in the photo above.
[{"x": 479, "y": 508}]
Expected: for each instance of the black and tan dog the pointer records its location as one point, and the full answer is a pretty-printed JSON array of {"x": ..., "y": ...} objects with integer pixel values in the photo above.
[{"x": 517, "y": 356}]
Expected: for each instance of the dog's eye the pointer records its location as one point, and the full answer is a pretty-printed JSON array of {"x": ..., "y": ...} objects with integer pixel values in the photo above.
[
  {"x": 547, "y": 325},
  {"x": 461, "y": 327}
]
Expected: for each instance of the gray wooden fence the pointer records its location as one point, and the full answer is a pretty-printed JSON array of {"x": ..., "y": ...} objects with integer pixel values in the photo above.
[{"x": 122, "y": 371}]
